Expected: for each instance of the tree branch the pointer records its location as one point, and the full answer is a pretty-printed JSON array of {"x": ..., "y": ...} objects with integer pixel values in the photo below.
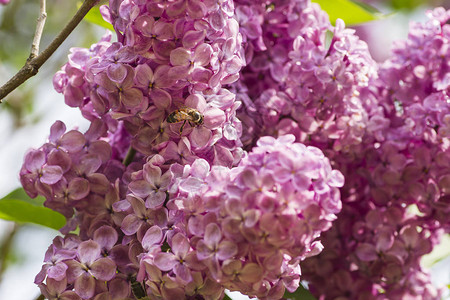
[
  {"x": 33, "y": 64},
  {"x": 39, "y": 29}
]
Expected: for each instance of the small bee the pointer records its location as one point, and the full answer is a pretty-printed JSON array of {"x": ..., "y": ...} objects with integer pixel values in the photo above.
[{"x": 186, "y": 114}]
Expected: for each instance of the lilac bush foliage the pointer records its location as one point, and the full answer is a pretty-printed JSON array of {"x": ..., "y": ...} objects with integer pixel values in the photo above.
[{"x": 252, "y": 199}]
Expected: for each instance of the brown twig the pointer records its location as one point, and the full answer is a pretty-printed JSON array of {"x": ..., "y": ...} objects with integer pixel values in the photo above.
[
  {"x": 33, "y": 64},
  {"x": 39, "y": 29}
]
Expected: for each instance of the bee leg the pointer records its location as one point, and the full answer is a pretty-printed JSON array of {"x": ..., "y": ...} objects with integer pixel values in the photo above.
[
  {"x": 192, "y": 125},
  {"x": 182, "y": 126}
]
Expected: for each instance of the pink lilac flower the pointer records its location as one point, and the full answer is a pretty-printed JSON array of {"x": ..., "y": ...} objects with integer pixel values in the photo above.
[
  {"x": 57, "y": 253},
  {"x": 160, "y": 59},
  {"x": 153, "y": 185},
  {"x": 76, "y": 173},
  {"x": 402, "y": 169},
  {"x": 266, "y": 218},
  {"x": 141, "y": 219},
  {"x": 178, "y": 260},
  {"x": 89, "y": 267},
  {"x": 302, "y": 68},
  {"x": 189, "y": 213},
  {"x": 54, "y": 290},
  {"x": 418, "y": 124}
]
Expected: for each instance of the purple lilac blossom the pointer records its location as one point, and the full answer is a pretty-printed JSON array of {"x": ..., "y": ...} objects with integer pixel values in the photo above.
[
  {"x": 70, "y": 170},
  {"x": 303, "y": 76},
  {"x": 205, "y": 246},
  {"x": 396, "y": 193},
  {"x": 168, "y": 57},
  {"x": 250, "y": 226},
  {"x": 192, "y": 213}
]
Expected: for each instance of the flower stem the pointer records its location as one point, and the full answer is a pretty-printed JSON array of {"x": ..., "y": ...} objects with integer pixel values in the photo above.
[{"x": 130, "y": 156}]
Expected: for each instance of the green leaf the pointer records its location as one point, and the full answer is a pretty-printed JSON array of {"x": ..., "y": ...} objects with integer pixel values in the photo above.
[
  {"x": 20, "y": 194},
  {"x": 300, "y": 294},
  {"x": 17, "y": 206},
  {"x": 352, "y": 12},
  {"x": 226, "y": 297},
  {"x": 95, "y": 17},
  {"x": 406, "y": 4},
  {"x": 366, "y": 7}
]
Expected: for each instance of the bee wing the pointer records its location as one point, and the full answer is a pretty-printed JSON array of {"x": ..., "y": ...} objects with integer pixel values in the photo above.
[{"x": 184, "y": 115}]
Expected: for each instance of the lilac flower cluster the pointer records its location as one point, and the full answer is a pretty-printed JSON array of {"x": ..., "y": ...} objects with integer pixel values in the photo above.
[
  {"x": 373, "y": 253},
  {"x": 395, "y": 208},
  {"x": 303, "y": 76},
  {"x": 169, "y": 206},
  {"x": 73, "y": 170},
  {"x": 250, "y": 226},
  {"x": 168, "y": 57},
  {"x": 199, "y": 229}
]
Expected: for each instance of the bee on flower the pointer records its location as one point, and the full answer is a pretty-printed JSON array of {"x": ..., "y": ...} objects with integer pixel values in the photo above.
[{"x": 185, "y": 114}]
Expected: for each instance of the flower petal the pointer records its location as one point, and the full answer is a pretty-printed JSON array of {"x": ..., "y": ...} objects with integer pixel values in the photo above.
[
  {"x": 106, "y": 237},
  {"x": 153, "y": 236},
  {"x": 51, "y": 174},
  {"x": 140, "y": 188},
  {"x": 165, "y": 261},
  {"x": 78, "y": 188},
  {"x": 85, "y": 286},
  {"x": 103, "y": 269},
  {"x": 88, "y": 252}
]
